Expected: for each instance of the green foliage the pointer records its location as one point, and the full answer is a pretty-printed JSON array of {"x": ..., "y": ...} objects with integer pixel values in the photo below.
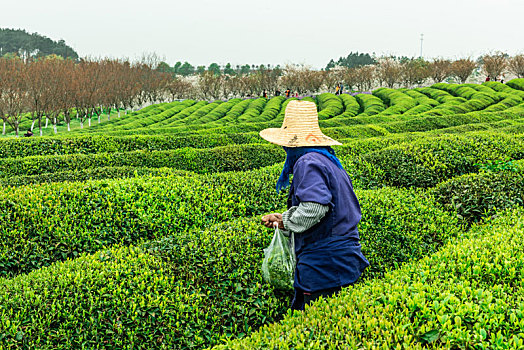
[
  {"x": 225, "y": 158},
  {"x": 278, "y": 266},
  {"x": 329, "y": 106},
  {"x": 476, "y": 196},
  {"x": 119, "y": 212},
  {"x": 167, "y": 258},
  {"x": 25, "y": 147},
  {"x": 369, "y": 104},
  {"x": 467, "y": 295},
  {"x": 190, "y": 288},
  {"x": 253, "y": 111},
  {"x": 516, "y": 83},
  {"x": 17, "y": 41},
  {"x": 425, "y": 163},
  {"x": 398, "y": 102},
  {"x": 88, "y": 174}
]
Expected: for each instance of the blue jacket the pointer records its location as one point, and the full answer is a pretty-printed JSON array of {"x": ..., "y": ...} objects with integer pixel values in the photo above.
[{"x": 329, "y": 253}]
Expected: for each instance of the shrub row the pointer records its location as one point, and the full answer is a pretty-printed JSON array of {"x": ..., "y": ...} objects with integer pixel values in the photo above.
[
  {"x": 517, "y": 84},
  {"x": 49, "y": 222},
  {"x": 186, "y": 112},
  {"x": 195, "y": 288},
  {"x": 467, "y": 295},
  {"x": 397, "y": 101},
  {"x": 146, "y": 120},
  {"x": 427, "y": 162},
  {"x": 217, "y": 113},
  {"x": 476, "y": 196},
  {"x": 495, "y": 85},
  {"x": 329, "y": 106},
  {"x": 440, "y": 96},
  {"x": 232, "y": 115},
  {"x": 198, "y": 114},
  {"x": 135, "y": 117},
  {"x": 369, "y": 104},
  {"x": 88, "y": 174},
  {"x": 272, "y": 109},
  {"x": 253, "y": 111},
  {"x": 351, "y": 106},
  {"x": 225, "y": 158}
]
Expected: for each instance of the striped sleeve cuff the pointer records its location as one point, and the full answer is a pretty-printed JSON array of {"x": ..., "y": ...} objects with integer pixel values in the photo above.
[{"x": 301, "y": 218}]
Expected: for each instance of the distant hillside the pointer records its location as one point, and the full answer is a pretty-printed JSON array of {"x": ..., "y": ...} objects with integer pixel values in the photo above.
[{"x": 24, "y": 44}]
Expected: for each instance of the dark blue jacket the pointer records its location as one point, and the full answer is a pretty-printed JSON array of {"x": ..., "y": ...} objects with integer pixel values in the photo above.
[{"x": 329, "y": 253}]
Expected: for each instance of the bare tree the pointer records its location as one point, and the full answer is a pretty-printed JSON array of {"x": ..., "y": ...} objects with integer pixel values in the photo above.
[
  {"x": 210, "y": 85},
  {"x": 389, "y": 72},
  {"x": 494, "y": 65},
  {"x": 13, "y": 92},
  {"x": 439, "y": 69},
  {"x": 414, "y": 72},
  {"x": 365, "y": 76},
  {"x": 516, "y": 65},
  {"x": 463, "y": 68}
]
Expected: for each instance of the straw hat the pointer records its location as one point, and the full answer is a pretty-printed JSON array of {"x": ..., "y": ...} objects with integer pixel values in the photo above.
[{"x": 300, "y": 128}]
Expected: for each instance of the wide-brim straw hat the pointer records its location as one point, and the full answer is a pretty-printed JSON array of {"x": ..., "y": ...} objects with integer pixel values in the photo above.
[{"x": 300, "y": 128}]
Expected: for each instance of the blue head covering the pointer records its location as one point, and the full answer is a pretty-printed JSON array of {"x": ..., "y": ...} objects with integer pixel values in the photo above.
[{"x": 294, "y": 153}]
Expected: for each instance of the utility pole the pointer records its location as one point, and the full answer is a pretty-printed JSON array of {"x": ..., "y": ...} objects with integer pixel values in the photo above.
[{"x": 421, "y": 40}]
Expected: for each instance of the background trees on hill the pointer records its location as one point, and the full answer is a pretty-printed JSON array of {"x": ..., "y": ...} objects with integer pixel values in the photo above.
[
  {"x": 25, "y": 45},
  {"x": 354, "y": 59}
]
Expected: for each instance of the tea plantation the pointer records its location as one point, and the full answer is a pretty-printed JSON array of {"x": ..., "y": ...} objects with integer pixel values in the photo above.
[{"x": 143, "y": 232}]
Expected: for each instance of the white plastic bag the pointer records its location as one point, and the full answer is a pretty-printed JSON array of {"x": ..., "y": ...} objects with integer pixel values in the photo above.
[{"x": 278, "y": 267}]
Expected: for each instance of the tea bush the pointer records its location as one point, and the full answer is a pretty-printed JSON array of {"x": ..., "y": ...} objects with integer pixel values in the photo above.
[
  {"x": 467, "y": 295},
  {"x": 196, "y": 287}
]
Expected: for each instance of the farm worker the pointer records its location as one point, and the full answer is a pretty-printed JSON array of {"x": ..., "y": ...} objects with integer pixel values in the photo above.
[
  {"x": 287, "y": 93},
  {"x": 323, "y": 210},
  {"x": 337, "y": 90},
  {"x": 341, "y": 89}
]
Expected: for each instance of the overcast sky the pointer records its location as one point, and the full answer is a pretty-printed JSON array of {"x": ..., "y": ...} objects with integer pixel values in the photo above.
[{"x": 270, "y": 31}]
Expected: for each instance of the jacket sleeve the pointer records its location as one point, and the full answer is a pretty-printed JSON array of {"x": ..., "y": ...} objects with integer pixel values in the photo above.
[{"x": 304, "y": 216}]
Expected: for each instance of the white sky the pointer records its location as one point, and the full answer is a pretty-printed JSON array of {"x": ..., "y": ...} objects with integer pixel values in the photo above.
[{"x": 271, "y": 31}]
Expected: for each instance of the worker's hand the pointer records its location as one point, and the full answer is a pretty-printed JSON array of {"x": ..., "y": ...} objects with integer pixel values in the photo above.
[{"x": 273, "y": 220}]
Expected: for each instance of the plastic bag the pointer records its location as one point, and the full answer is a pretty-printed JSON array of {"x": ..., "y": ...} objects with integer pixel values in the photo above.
[{"x": 278, "y": 267}]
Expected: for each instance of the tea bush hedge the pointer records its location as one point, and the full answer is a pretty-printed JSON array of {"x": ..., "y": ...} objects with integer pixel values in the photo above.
[
  {"x": 196, "y": 287},
  {"x": 225, "y": 158},
  {"x": 24, "y": 147},
  {"x": 476, "y": 196},
  {"x": 370, "y": 104},
  {"x": 397, "y": 101},
  {"x": 425, "y": 163},
  {"x": 329, "y": 106},
  {"x": 253, "y": 111},
  {"x": 517, "y": 84},
  {"x": 88, "y": 174},
  {"x": 40, "y": 224},
  {"x": 467, "y": 295}
]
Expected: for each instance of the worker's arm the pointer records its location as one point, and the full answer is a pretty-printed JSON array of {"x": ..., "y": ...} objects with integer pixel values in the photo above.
[{"x": 304, "y": 216}]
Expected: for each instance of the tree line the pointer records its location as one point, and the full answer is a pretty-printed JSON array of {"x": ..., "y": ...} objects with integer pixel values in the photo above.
[
  {"x": 53, "y": 90},
  {"x": 20, "y": 43}
]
